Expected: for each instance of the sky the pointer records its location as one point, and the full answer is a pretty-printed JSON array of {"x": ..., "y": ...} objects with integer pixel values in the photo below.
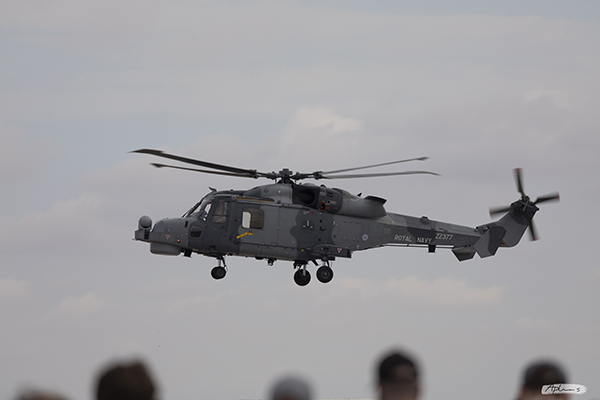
[{"x": 479, "y": 87}]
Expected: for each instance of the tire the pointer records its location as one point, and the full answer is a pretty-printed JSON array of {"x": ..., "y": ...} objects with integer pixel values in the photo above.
[
  {"x": 302, "y": 277},
  {"x": 324, "y": 274},
  {"x": 218, "y": 272}
]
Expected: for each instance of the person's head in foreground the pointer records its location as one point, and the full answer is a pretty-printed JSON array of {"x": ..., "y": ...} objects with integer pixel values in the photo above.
[
  {"x": 398, "y": 377},
  {"x": 39, "y": 395},
  {"x": 539, "y": 374},
  {"x": 125, "y": 382},
  {"x": 291, "y": 388}
]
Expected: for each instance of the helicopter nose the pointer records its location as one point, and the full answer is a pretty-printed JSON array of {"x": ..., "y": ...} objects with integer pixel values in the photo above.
[{"x": 170, "y": 236}]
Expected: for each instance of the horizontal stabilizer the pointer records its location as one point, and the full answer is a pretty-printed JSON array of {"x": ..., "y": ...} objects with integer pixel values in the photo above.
[
  {"x": 464, "y": 253},
  {"x": 490, "y": 241}
]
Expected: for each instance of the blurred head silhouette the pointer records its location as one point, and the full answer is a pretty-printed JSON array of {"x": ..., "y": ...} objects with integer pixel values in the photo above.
[
  {"x": 125, "y": 382},
  {"x": 398, "y": 377},
  {"x": 291, "y": 388},
  {"x": 538, "y": 374},
  {"x": 38, "y": 395}
]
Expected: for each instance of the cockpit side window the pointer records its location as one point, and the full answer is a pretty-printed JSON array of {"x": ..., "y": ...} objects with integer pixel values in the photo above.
[
  {"x": 201, "y": 210},
  {"x": 204, "y": 212},
  {"x": 220, "y": 215}
]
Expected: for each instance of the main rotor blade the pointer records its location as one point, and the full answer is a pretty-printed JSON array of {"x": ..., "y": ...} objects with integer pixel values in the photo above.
[
  {"x": 204, "y": 171},
  {"x": 160, "y": 153},
  {"x": 374, "y": 175},
  {"x": 548, "y": 197},
  {"x": 371, "y": 166},
  {"x": 519, "y": 181}
]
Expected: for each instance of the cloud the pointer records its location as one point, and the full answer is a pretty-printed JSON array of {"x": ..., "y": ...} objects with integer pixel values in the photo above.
[
  {"x": 11, "y": 288},
  {"x": 262, "y": 58},
  {"x": 364, "y": 287},
  {"x": 80, "y": 306},
  {"x": 320, "y": 119},
  {"x": 445, "y": 292},
  {"x": 441, "y": 292},
  {"x": 67, "y": 225},
  {"x": 310, "y": 126},
  {"x": 102, "y": 212}
]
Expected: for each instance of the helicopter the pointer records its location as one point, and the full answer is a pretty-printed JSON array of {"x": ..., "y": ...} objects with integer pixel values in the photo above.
[{"x": 305, "y": 223}]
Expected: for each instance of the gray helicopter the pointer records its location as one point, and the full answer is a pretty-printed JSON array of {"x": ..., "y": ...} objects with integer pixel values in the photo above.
[{"x": 306, "y": 223}]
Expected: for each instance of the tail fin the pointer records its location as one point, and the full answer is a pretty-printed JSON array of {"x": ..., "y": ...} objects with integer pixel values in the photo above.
[
  {"x": 516, "y": 223},
  {"x": 506, "y": 232}
]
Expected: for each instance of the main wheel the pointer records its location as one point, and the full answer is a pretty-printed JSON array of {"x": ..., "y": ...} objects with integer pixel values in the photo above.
[
  {"x": 302, "y": 277},
  {"x": 324, "y": 274},
  {"x": 218, "y": 272}
]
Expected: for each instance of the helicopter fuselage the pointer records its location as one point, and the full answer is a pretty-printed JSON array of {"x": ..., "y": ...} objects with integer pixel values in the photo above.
[{"x": 299, "y": 223}]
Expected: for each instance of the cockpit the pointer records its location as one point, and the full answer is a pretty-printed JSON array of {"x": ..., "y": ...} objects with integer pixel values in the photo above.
[{"x": 201, "y": 209}]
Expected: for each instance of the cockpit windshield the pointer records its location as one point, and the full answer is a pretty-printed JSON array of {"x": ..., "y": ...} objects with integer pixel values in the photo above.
[{"x": 200, "y": 210}]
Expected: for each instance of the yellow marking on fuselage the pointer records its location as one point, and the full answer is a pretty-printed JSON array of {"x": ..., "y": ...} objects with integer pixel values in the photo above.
[{"x": 244, "y": 234}]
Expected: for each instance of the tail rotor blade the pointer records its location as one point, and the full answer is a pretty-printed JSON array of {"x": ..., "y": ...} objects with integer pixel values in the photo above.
[
  {"x": 524, "y": 206},
  {"x": 532, "y": 231},
  {"x": 549, "y": 197},
  {"x": 519, "y": 181},
  {"x": 499, "y": 210}
]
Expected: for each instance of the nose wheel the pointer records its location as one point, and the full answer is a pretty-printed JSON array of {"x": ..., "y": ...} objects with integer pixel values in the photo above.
[{"x": 220, "y": 270}]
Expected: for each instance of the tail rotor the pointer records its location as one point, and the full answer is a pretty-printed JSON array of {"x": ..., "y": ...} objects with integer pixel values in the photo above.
[{"x": 525, "y": 205}]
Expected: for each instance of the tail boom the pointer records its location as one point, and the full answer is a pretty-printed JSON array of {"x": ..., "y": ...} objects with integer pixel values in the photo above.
[{"x": 465, "y": 242}]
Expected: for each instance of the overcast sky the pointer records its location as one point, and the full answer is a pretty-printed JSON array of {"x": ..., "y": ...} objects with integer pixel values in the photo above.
[{"x": 480, "y": 87}]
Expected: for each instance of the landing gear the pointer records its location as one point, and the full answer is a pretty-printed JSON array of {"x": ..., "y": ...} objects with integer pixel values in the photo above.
[
  {"x": 302, "y": 276},
  {"x": 220, "y": 270},
  {"x": 325, "y": 274}
]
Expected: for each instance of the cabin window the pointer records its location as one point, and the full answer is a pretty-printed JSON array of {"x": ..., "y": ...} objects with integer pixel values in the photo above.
[
  {"x": 253, "y": 218},
  {"x": 220, "y": 215}
]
